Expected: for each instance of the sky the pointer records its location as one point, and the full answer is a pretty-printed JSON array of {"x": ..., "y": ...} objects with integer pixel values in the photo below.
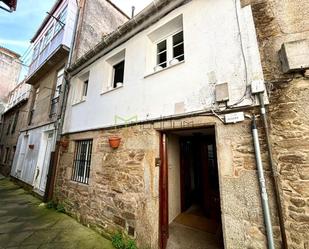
[{"x": 17, "y": 28}]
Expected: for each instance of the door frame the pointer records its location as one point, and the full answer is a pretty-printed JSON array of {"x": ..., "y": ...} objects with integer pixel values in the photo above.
[{"x": 163, "y": 193}]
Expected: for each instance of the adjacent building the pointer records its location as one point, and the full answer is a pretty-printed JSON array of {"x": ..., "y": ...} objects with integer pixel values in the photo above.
[
  {"x": 52, "y": 44},
  {"x": 10, "y": 67},
  {"x": 14, "y": 118}
]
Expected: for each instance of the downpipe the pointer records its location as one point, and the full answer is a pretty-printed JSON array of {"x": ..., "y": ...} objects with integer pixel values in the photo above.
[
  {"x": 264, "y": 196},
  {"x": 274, "y": 170}
]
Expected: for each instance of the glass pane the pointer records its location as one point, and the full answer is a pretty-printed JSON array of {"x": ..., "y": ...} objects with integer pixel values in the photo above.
[
  {"x": 161, "y": 47},
  {"x": 118, "y": 73},
  {"x": 178, "y": 38},
  {"x": 179, "y": 52},
  {"x": 161, "y": 59}
]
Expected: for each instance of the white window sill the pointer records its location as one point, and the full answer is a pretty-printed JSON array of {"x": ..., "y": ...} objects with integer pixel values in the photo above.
[
  {"x": 77, "y": 103},
  {"x": 164, "y": 69},
  {"x": 111, "y": 90}
]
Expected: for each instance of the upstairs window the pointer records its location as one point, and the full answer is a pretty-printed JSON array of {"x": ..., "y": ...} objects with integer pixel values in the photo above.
[
  {"x": 31, "y": 113},
  {"x": 162, "y": 54},
  {"x": 85, "y": 88},
  {"x": 167, "y": 44},
  {"x": 15, "y": 122},
  {"x": 55, "y": 98},
  {"x": 178, "y": 47},
  {"x": 118, "y": 73},
  {"x": 170, "y": 51},
  {"x": 61, "y": 18},
  {"x": 47, "y": 37}
]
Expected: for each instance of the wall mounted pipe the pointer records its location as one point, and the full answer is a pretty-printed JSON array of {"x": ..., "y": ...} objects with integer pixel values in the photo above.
[
  {"x": 274, "y": 170},
  {"x": 264, "y": 196}
]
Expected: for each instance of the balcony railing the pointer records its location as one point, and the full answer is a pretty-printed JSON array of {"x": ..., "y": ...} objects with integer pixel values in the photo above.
[
  {"x": 20, "y": 98},
  {"x": 46, "y": 52}
]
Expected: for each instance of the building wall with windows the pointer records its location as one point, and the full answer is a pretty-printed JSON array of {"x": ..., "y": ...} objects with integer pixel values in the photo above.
[
  {"x": 45, "y": 97},
  {"x": 158, "y": 84},
  {"x": 14, "y": 119},
  {"x": 10, "y": 67},
  {"x": 120, "y": 188}
]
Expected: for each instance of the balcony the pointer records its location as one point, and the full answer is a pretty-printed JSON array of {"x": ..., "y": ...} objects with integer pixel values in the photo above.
[
  {"x": 52, "y": 54},
  {"x": 20, "y": 99}
]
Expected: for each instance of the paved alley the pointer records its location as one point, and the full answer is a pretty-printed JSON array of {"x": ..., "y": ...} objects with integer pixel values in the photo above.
[{"x": 26, "y": 224}]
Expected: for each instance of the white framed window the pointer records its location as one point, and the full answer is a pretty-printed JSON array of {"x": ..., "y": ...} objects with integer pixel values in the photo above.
[
  {"x": 170, "y": 51},
  {"x": 82, "y": 161},
  {"x": 48, "y": 36},
  {"x": 85, "y": 88},
  {"x": 118, "y": 74},
  {"x": 167, "y": 45},
  {"x": 57, "y": 91},
  {"x": 61, "y": 19},
  {"x": 115, "y": 71},
  {"x": 81, "y": 88}
]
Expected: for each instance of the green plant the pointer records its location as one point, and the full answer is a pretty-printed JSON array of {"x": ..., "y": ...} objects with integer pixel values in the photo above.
[
  {"x": 50, "y": 205},
  {"x": 60, "y": 208},
  {"x": 131, "y": 244},
  {"x": 119, "y": 242}
]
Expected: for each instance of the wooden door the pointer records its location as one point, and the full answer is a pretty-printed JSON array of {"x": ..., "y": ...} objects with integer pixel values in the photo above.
[{"x": 163, "y": 193}]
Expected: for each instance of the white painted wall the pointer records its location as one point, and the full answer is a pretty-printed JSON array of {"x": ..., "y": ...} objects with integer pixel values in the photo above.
[
  {"x": 33, "y": 158},
  {"x": 212, "y": 55},
  {"x": 174, "y": 192}
]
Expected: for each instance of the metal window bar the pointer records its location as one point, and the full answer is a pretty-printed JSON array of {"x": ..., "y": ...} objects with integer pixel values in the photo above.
[{"x": 82, "y": 161}]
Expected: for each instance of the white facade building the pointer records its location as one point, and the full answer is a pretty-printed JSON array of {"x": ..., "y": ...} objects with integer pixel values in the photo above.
[{"x": 220, "y": 46}]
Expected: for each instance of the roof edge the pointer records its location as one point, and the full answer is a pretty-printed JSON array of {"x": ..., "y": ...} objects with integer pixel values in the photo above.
[{"x": 141, "y": 21}]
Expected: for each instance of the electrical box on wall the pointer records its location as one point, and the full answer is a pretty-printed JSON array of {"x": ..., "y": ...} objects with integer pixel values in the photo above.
[
  {"x": 257, "y": 86},
  {"x": 222, "y": 92},
  {"x": 294, "y": 56}
]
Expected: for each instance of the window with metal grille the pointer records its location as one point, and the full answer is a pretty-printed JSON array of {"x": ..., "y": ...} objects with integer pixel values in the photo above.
[{"x": 82, "y": 161}]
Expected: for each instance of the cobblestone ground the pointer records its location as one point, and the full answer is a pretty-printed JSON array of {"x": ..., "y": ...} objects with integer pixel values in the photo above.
[{"x": 26, "y": 224}]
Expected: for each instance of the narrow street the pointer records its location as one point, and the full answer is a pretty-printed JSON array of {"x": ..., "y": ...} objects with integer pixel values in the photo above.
[{"x": 26, "y": 224}]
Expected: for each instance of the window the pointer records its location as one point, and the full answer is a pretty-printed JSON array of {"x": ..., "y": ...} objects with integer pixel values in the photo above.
[
  {"x": 55, "y": 98},
  {"x": 47, "y": 37},
  {"x": 170, "y": 51},
  {"x": 8, "y": 128},
  {"x": 82, "y": 160},
  {"x": 178, "y": 47},
  {"x": 118, "y": 73},
  {"x": 7, "y": 155},
  {"x": 162, "y": 54},
  {"x": 85, "y": 88},
  {"x": 15, "y": 122},
  {"x": 166, "y": 44},
  {"x": 61, "y": 20},
  {"x": 31, "y": 113}
]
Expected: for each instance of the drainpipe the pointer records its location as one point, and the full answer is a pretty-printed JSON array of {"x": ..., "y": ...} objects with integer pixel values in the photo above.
[
  {"x": 265, "y": 205},
  {"x": 274, "y": 171},
  {"x": 54, "y": 160}
]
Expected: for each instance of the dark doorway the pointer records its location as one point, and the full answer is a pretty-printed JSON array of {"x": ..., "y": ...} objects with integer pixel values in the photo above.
[
  {"x": 190, "y": 213},
  {"x": 199, "y": 176}
]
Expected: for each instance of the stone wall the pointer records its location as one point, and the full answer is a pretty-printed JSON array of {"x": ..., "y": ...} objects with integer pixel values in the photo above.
[
  {"x": 277, "y": 22},
  {"x": 97, "y": 19},
  {"x": 123, "y": 188}
]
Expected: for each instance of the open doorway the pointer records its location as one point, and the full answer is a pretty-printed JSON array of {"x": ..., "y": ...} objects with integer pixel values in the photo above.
[{"x": 192, "y": 193}]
